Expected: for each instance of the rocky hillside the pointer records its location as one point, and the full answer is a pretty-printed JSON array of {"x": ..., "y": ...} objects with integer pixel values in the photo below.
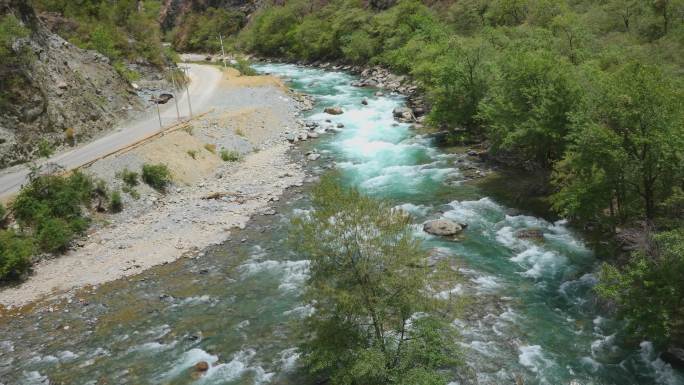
[{"x": 52, "y": 93}]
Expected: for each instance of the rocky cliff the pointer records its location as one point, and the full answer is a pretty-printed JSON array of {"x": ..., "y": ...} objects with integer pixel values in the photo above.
[{"x": 53, "y": 93}]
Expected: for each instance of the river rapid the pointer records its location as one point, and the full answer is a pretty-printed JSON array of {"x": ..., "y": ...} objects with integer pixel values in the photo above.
[{"x": 533, "y": 317}]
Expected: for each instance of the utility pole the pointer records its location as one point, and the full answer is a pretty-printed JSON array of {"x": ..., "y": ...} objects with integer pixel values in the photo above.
[
  {"x": 156, "y": 101},
  {"x": 175, "y": 94},
  {"x": 187, "y": 88},
  {"x": 223, "y": 53}
]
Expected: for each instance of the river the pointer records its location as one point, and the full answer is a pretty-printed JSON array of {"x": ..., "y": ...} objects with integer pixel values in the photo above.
[{"x": 532, "y": 318}]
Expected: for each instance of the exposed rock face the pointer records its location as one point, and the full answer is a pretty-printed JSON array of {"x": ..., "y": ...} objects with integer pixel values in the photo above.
[
  {"x": 443, "y": 227},
  {"x": 60, "y": 87}
]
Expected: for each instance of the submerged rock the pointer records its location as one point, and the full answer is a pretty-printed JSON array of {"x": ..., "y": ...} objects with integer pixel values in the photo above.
[
  {"x": 533, "y": 234},
  {"x": 333, "y": 110},
  {"x": 442, "y": 227},
  {"x": 202, "y": 366}
]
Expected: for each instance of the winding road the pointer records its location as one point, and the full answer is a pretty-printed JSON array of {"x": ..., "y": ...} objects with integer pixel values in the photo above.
[{"x": 204, "y": 81}]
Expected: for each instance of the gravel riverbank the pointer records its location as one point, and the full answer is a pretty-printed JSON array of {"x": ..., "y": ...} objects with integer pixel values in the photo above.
[{"x": 255, "y": 117}]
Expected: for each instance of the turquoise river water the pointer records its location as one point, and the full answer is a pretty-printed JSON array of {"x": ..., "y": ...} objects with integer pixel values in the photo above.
[{"x": 534, "y": 318}]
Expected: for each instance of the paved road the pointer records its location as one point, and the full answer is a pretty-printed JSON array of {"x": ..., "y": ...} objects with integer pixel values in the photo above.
[{"x": 203, "y": 86}]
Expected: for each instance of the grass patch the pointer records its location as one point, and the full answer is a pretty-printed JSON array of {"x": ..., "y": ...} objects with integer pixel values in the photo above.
[
  {"x": 192, "y": 154},
  {"x": 230, "y": 155},
  {"x": 210, "y": 147},
  {"x": 240, "y": 132},
  {"x": 130, "y": 178}
]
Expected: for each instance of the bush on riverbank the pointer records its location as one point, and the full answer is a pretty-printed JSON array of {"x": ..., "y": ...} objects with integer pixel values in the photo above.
[
  {"x": 650, "y": 288},
  {"x": 375, "y": 321},
  {"x": 50, "y": 208},
  {"x": 15, "y": 255},
  {"x": 156, "y": 176}
]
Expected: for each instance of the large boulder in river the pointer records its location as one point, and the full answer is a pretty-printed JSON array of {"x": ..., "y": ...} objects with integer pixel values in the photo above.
[
  {"x": 402, "y": 113},
  {"x": 333, "y": 110},
  {"x": 442, "y": 227}
]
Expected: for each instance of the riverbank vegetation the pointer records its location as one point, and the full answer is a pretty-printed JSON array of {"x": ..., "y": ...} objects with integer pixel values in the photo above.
[
  {"x": 590, "y": 93},
  {"x": 374, "y": 320}
]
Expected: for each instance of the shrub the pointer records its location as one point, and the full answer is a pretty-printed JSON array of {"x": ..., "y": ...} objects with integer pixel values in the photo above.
[
  {"x": 3, "y": 212},
  {"x": 192, "y": 154},
  {"x": 130, "y": 178},
  {"x": 15, "y": 254},
  {"x": 51, "y": 196},
  {"x": 240, "y": 132},
  {"x": 156, "y": 176},
  {"x": 45, "y": 149},
  {"x": 53, "y": 235},
  {"x": 51, "y": 206},
  {"x": 230, "y": 155},
  {"x": 244, "y": 67},
  {"x": 115, "y": 202}
]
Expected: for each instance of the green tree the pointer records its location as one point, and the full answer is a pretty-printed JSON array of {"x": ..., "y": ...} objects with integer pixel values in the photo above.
[
  {"x": 457, "y": 81},
  {"x": 632, "y": 132},
  {"x": 529, "y": 106},
  {"x": 649, "y": 290},
  {"x": 368, "y": 280}
]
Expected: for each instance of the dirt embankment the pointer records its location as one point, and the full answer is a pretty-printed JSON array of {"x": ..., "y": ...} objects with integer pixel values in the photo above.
[{"x": 209, "y": 196}]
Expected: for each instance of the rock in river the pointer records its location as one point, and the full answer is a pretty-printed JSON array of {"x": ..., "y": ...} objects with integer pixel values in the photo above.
[
  {"x": 442, "y": 227},
  {"x": 202, "y": 366},
  {"x": 333, "y": 110},
  {"x": 533, "y": 234}
]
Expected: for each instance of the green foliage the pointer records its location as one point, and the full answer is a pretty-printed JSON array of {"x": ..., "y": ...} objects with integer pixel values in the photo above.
[
  {"x": 126, "y": 73},
  {"x": 156, "y": 176},
  {"x": 244, "y": 67},
  {"x": 200, "y": 31},
  {"x": 15, "y": 255},
  {"x": 115, "y": 202},
  {"x": 626, "y": 150},
  {"x": 230, "y": 155},
  {"x": 117, "y": 29},
  {"x": 649, "y": 289},
  {"x": 374, "y": 320},
  {"x": 528, "y": 109},
  {"x": 52, "y": 208},
  {"x": 3, "y": 212},
  {"x": 130, "y": 178},
  {"x": 45, "y": 148}
]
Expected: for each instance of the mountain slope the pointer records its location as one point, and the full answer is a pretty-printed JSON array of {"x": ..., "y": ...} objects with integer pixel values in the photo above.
[{"x": 52, "y": 93}]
